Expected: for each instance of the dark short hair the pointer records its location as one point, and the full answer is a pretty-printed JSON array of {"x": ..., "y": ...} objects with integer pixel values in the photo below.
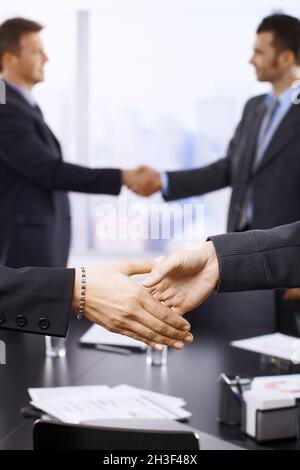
[
  {"x": 11, "y": 32},
  {"x": 286, "y": 30}
]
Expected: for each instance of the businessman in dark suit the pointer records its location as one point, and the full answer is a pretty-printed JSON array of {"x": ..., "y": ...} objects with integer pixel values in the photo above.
[{"x": 35, "y": 215}]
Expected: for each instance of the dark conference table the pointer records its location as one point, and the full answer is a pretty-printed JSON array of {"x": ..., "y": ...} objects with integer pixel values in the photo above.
[{"x": 191, "y": 373}]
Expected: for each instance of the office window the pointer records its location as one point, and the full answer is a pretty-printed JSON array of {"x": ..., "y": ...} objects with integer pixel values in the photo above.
[{"x": 145, "y": 82}]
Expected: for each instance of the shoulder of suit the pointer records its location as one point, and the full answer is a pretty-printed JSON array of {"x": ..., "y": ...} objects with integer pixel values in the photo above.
[
  {"x": 14, "y": 106},
  {"x": 14, "y": 98},
  {"x": 255, "y": 100}
]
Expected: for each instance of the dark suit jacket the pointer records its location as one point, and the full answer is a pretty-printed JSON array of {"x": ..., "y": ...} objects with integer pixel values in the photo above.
[
  {"x": 34, "y": 180},
  {"x": 259, "y": 259},
  {"x": 36, "y": 300},
  {"x": 275, "y": 183}
]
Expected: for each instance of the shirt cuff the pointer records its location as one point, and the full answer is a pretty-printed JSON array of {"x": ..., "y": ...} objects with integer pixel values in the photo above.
[{"x": 164, "y": 183}]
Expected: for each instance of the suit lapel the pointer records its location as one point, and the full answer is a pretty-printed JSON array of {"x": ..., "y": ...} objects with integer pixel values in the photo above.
[
  {"x": 50, "y": 136},
  {"x": 16, "y": 99},
  {"x": 285, "y": 132},
  {"x": 45, "y": 129}
]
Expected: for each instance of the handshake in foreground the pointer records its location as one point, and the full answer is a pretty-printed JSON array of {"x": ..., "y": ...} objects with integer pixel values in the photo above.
[
  {"x": 174, "y": 285},
  {"x": 152, "y": 311}
]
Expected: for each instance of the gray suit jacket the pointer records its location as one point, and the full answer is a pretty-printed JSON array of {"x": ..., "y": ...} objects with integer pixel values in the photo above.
[
  {"x": 259, "y": 259},
  {"x": 275, "y": 183}
]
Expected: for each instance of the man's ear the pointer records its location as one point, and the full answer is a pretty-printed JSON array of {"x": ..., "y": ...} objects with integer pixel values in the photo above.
[
  {"x": 287, "y": 58},
  {"x": 9, "y": 59}
]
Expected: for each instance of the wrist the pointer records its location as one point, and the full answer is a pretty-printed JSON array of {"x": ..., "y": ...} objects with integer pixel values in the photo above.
[
  {"x": 126, "y": 177},
  {"x": 158, "y": 182},
  {"x": 212, "y": 263}
]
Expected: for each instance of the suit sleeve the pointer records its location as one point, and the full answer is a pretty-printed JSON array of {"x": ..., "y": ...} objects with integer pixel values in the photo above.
[
  {"x": 24, "y": 151},
  {"x": 198, "y": 181},
  {"x": 36, "y": 300},
  {"x": 259, "y": 259}
]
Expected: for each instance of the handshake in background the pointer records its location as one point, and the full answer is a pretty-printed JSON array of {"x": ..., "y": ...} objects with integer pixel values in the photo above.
[{"x": 142, "y": 180}]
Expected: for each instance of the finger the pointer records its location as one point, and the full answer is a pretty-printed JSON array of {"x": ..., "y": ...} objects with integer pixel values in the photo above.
[
  {"x": 131, "y": 329},
  {"x": 149, "y": 342},
  {"x": 152, "y": 338},
  {"x": 139, "y": 337},
  {"x": 141, "y": 168},
  {"x": 163, "y": 313},
  {"x": 161, "y": 328},
  {"x": 132, "y": 267},
  {"x": 173, "y": 303},
  {"x": 135, "y": 325},
  {"x": 146, "y": 191},
  {"x": 163, "y": 290},
  {"x": 160, "y": 271},
  {"x": 164, "y": 296},
  {"x": 136, "y": 190},
  {"x": 178, "y": 310},
  {"x": 150, "y": 290}
]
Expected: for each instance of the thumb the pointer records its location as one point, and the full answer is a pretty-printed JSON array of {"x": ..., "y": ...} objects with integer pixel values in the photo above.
[
  {"x": 159, "y": 271},
  {"x": 137, "y": 267}
]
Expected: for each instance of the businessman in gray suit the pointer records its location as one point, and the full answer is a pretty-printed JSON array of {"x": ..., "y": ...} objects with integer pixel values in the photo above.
[{"x": 262, "y": 163}]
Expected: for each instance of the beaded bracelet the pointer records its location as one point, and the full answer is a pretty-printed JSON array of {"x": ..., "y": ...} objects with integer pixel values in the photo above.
[{"x": 80, "y": 312}]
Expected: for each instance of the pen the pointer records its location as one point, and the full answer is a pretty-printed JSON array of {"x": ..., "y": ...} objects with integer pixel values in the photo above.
[
  {"x": 230, "y": 384},
  {"x": 226, "y": 379},
  {"x": 113, "y": 349},
  {"x": 238, "y": 382}
]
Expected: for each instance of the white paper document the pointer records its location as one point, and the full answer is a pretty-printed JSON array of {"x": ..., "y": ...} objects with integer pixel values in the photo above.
[
  {"x": 159, "y": 397},
  {"x": 58, "y": 393},
  {"x": 103, "y": 402},
  {"x": 276, "y": 345},
  {"x": 98, "y": 335}
]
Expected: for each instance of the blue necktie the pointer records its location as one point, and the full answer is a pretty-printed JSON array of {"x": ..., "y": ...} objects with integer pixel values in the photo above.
[
  {"x": 246, "y": 214},
  {"x": 263, "y": 132}
]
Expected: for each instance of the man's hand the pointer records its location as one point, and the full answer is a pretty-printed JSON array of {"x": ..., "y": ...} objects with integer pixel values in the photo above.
[
  {"x": 143, "y": 180},
  {"x": 292, "y": 294},
  {"x": 119, "y": 304},
  {"x": 184, "y": 279}
]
